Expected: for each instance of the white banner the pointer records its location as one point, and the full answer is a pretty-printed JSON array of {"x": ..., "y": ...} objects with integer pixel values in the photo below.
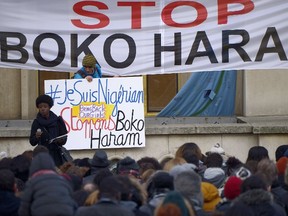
[
  {"x": 104, "y": 113},
  {"x": 144, "y": 37}
]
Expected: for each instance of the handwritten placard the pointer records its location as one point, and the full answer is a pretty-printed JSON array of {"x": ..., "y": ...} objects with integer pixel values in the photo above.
[{"x": 104, "y": 113}]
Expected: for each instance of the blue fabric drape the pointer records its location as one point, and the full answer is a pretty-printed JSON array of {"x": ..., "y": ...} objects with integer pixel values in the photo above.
[{"x": 204, "y": 94}]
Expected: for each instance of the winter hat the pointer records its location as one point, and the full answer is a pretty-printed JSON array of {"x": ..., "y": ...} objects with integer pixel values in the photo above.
[
  {"x": 217, "y": 149},
  {"x": 211, "y": 196},
  {"x": 215, "y": 176},
  {"x": 281, "y": 165},
  {"x": 89, "y": 61},
  {"x": 3, "y": 154},
  {"x": 280, "y": 151},
  {"x": 44, "y": 99},
  {"x": 99, "y": 159},
  {"x": 189, "y": 184},
  {"x": 182, "y": 168},
  {"x": 128, "y": 166},
  {"x": 232, "y": 187},
  {"x": 42, "y": 161}
]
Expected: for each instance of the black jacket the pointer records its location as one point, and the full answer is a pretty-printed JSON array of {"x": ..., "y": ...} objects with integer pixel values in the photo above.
[
  {"x": 51, "y": 128},
  {"x": 104, "y": 208},
  {"x": 9, "y": 203},
  {"x": 261, "y": 202}
]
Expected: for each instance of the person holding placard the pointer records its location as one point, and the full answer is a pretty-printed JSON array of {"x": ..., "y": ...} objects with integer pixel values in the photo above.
[
  {"x": 48, "y": 129},
  {"x": 91, "y": 69}
]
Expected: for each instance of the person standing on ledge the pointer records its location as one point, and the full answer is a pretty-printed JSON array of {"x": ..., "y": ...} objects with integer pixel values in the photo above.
[
  {"x": 47, "y": 126},
  {"x": 91, "y": 69}
]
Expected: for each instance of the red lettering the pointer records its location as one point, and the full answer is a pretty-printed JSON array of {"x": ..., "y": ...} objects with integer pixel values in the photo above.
[
  {"x": 136, "y": 14},
  {"x": 223, "y": 12},
  {"x": 168, "y": 9},
  {"x": 103, "y": 20},
  {"x": 74, "y": 123},
  {"x": 66, "y": 123}
]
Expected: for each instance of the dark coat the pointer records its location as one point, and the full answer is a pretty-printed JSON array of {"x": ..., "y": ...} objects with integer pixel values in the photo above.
[
  {"x": 93, "y": 172},
  {"x": 261, "y": 202},
  {"x": 9, "y": 203},
  {"x": 223, "y": 206},
  {"x": 46, "y": 193},
  {"x": 280, "y": 196},
  {"x": 104, "y": 208},
  {"x": 51, "y": 128}
]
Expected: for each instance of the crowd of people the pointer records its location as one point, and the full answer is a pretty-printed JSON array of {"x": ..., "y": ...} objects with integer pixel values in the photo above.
[{"x": 191, "y": 183}]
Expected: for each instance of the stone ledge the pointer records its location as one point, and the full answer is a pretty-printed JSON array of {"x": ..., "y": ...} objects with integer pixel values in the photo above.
[
  {"x": 198, "y": 129},
  {"x": 155, "y": 129}
]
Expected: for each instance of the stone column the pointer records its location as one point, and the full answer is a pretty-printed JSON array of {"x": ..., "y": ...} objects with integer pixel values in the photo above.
[
  {"x": 10, "y": 94},
  {"x": 29, "y": 92}
]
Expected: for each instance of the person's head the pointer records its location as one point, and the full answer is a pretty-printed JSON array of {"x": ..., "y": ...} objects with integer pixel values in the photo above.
[
  {"x": 28, "y": 154},
  {"x": 257, "y": 153},
  {"x": 215, "y": 176},
  {"x": 268, "y": 168},
  {"x": 100, "y": 159},
  {"x": 232, "y": 187},
  {"x": 38, "y": 149},
  {"x": 281, "y": 165},
  {"x": 214, "y": 160},
  {"x": 210, "y": 195},
  {"x": 174, "y": 204},
  {"x": 146, "y": 175},
  {"x": 99, "y": 176},
  {"x": 173, "y": 162},
  {"x": 132, "y": 190},
  {"x": 280, "y": 151},
  {"x": 111, "y": 188},
  {"x": 146, "y": 163},
  {"x": 20, "y": 166},
  {"x": 42, "y": 161},
  {"x": 160, "y": 182},
  {"x": 44, "y": 103},
  {"x": 128, "y": 166},
  {"x": 6, "y": 163},
  {"x": 255, "y": 181},
  {"x": 232, "y": 165},
  {"x": 189, "y": 184},
  {"x": 89, "y": 63},
  {"x": 191, "y": 158},
  {"x": 7, "y": 180},
  {"x": 192, "y": 147}
]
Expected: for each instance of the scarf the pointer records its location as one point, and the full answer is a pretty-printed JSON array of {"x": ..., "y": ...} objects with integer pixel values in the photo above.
[{"x": 50, "y": 124}]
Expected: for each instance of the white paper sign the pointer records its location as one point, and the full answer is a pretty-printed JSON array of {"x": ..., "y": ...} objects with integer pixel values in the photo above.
[{"x": 104, "y": 113}]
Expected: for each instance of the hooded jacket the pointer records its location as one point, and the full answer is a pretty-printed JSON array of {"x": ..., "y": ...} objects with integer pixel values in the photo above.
[
  {"x": 46, "y": 193},
  {"x": 261, "y": 202}
]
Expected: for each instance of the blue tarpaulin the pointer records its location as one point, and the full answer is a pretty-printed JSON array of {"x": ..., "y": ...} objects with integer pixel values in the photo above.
[{"x": 204, "y": 94}]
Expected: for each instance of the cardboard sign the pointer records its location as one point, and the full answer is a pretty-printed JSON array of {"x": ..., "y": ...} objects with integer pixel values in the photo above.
[{"x": 104, "y": 113}]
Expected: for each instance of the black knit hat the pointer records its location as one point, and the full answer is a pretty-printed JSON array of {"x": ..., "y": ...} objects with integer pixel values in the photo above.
[{"x": 44, "y": 99}]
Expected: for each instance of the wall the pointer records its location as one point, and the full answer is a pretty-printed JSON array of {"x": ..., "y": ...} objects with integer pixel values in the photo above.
[
  {"x": 265, "y": 93},
  {"x": 163, "y": 140}
]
